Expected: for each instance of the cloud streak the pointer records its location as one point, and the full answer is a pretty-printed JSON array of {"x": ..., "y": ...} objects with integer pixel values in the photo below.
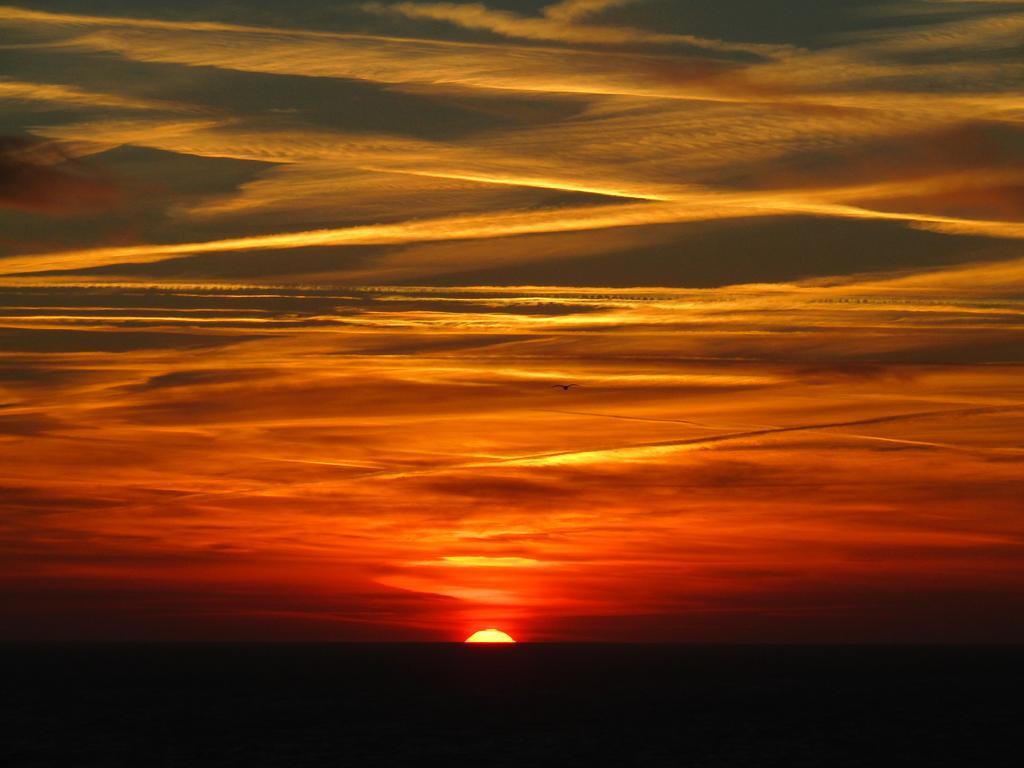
[
  {"x": 700, "y": 207},
  {"x": 560, "y": 22}
]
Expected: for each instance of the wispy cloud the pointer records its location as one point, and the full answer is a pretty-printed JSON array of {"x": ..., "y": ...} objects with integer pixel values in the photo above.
[
  {"x": 562, "y": 22},
  {"x": 59, "y": 94},
  {"x": 696, "y": 207}
]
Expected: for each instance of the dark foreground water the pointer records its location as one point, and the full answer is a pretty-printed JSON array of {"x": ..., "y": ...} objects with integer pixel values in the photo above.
[{"x": 525, "y": 705}]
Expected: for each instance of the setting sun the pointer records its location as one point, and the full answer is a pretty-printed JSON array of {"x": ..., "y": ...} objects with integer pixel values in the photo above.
[
  {"x": 684, "y": 339},
  {"x": 490, "y": 636}
]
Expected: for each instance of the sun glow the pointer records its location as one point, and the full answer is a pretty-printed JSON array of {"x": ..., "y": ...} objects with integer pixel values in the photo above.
[{"x": 490, "y": 636}]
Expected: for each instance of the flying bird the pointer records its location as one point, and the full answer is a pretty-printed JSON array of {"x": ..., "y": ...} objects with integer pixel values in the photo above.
[{"x": 564, "y": 387}]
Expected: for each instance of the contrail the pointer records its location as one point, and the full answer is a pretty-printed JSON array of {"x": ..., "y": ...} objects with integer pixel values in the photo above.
[
  {"x": 713, "y": 439},
  {"x": 903, "y": 441},
  {"x": 635, "y": 418}
]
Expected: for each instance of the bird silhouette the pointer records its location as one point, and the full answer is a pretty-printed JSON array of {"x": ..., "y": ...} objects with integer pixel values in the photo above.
[{"x": 564, "y": 387}]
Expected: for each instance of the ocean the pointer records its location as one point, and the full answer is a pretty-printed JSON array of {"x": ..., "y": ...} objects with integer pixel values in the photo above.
[{"x": 254, "y": 705}]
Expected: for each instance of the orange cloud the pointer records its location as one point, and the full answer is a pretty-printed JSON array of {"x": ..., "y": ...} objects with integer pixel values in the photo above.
[
  {"x": 559, "y": 22},
  {"x": 417, "y": 470}
]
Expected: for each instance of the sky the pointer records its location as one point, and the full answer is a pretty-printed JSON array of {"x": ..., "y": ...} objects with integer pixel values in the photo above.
[{"x": 287, "y": 291}]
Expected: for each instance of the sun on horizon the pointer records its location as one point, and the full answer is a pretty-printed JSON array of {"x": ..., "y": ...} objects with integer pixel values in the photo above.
[{"x": 490, "y": 635}]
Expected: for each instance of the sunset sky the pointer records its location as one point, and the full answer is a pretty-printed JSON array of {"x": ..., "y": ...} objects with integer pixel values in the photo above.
[{"x": 286, "y": 289}]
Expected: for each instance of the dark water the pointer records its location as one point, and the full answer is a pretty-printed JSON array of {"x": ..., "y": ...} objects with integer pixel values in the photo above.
[{"x": 526, "y": 705}]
